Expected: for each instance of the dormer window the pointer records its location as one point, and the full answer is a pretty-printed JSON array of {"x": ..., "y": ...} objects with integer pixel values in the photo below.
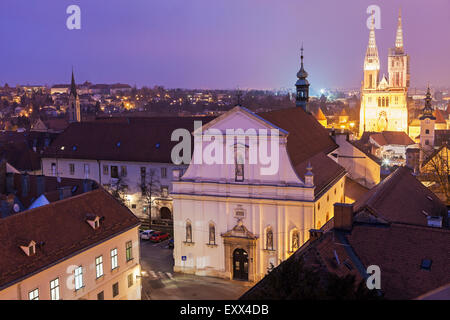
[
  {"x": 93, "y": 220},
  {"x": 29, "y": 249}
]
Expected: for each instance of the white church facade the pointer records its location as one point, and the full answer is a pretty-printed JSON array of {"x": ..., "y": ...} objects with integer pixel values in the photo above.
[{"x": 233, "y": 222}]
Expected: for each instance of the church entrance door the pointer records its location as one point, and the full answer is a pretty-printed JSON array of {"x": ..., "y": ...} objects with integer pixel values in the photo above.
[{"x": 240, "y": 265}]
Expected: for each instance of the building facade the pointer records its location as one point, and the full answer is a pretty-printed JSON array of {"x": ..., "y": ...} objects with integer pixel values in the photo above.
[
  {"x": 231, "y": 221},
  {"x": 384, "y": 101},
  {"x": 84, "y": 247}
]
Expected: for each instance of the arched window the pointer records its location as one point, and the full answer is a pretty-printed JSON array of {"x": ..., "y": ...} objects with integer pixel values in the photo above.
[
  {"x": 212, "y": 233},
  {"x": 269, "y": 239},
  {"x": 427, "y": 131},
  {"x": 188, "y": 231},
  {"x": 295, "y": 240},
  {"x": 387, "y": 101}
]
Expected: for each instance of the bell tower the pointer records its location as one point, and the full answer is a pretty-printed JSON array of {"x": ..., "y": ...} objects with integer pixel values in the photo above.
[
  {"x": 371, "y": 62},
  {"x": 398, "y": 60},
  {"x": 427, "y": 122},
  {"x": 302, "y": 86}
]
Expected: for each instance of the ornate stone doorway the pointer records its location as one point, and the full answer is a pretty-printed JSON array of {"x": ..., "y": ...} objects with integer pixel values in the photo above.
[
  {"x": 240, "y": 265},
  {"x": 240, "y": 253}
]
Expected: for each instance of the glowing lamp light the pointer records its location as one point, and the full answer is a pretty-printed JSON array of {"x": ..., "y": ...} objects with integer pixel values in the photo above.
[{"x": 386, "y": 162}]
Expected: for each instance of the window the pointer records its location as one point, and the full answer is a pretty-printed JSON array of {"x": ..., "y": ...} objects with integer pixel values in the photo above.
[
  {"x": 188, "y": 231},
  {"x": 114, "y": 172},
  {"x": 295, "y": 240},
  {"x": 123, "y": 171},
  {"x": 163, "y": 172},
  {"x": 34, "y": 294},
  {"x": 114, "y": 259},
  {"x": 86, "y": 170},
  {"x": 327, "y": 217},
  {"x": 425, "y": 265},
  {"x": 115, "y": 289},
  {"x": 128, "y": 248},
  {"x": 105, "y": 172},
  {"x": 78, "y": 278},
  {"x": 130, "y": 280},
  {"x": 99, "y": 266},
  {"x": 53, "y": 168},
  {"x": 101, "y": 295},
  {"x": 212, "y": 234},
  {"x": 269, "y": 239},
  {"x": 427, "y": 131},
  {"x": 72, "y": 168},
  {"x": 54, "y": 289}
]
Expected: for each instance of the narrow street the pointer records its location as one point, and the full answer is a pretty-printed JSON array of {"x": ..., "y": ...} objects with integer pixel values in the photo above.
[{"x": 160, "y": 283}]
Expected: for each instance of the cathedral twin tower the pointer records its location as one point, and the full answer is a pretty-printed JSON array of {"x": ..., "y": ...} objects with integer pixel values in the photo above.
[{"x": 384, "y": 101}]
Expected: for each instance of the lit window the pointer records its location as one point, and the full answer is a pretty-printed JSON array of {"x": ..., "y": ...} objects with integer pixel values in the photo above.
[
  {"x": 105, "y": 169},
  {"x": 99, "y": 266},
  {"x": 78, "y": 278},
  {"x": 129, "y": 252},
  {"x": 54, "y": 289},
  {"x": 114, "y": 259},
  {"x": 33, "y": 295}
]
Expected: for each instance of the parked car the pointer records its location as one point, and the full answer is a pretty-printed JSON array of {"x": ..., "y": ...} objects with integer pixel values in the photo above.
[
  {"x": 159, "y": 236},
  {"x": 146, "y": 234},
  {"x": 171, "y": 243}
]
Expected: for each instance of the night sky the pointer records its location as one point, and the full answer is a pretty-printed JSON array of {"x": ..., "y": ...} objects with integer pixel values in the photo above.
[{"x": 216, "y": 43}]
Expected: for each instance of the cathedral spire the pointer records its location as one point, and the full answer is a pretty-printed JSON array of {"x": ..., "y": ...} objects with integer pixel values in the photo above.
[
  {"x": 399, "y": 36},
  {"x": 73, "y": 86},
  {"x": 372, "y": 50}
]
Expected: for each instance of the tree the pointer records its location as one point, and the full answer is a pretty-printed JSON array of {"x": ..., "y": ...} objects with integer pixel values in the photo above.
[
  {"x": 150, "y": 188},
  {"x": 118, "y": 189},
  {"x": 436, "y": 169}
]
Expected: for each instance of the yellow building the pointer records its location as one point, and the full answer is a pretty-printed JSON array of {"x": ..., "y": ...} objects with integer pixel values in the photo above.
[
  {"x": 83, "y": 247},
  {"x": 384, "y": 102}
]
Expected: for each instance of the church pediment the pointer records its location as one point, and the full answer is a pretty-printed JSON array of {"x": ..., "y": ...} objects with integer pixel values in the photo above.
[{"x": 239, "y": 231}]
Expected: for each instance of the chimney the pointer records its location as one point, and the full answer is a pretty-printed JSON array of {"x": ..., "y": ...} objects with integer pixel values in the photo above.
[
  {"x": 40, "y": 185},
  {"x": 343, "y": 216},
  {"x": 25, "y": 184},
  {"x": 10, "y": 182}
]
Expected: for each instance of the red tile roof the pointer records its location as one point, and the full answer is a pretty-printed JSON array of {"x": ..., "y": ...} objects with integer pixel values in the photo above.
[
  {"x": 392, "y": 138},
  {"x": 401, "y": 198},
  {"x": 308, "y": 141},
  {"x": 128, "y": 139},
  {"x": 62, "y": 229}
]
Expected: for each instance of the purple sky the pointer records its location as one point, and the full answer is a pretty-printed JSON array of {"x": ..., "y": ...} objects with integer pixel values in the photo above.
[{"x": 216, "y": 43}]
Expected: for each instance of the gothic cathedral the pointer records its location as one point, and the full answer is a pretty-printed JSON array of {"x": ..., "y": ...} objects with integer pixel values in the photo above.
[{"x": 384, "y": 102}]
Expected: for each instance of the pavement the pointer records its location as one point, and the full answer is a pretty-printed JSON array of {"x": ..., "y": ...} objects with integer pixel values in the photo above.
[{"x": 159, "y": 282}]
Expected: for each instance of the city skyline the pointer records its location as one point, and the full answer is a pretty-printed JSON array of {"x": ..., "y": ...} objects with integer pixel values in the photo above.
[{"x": 213, "y": 50}]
